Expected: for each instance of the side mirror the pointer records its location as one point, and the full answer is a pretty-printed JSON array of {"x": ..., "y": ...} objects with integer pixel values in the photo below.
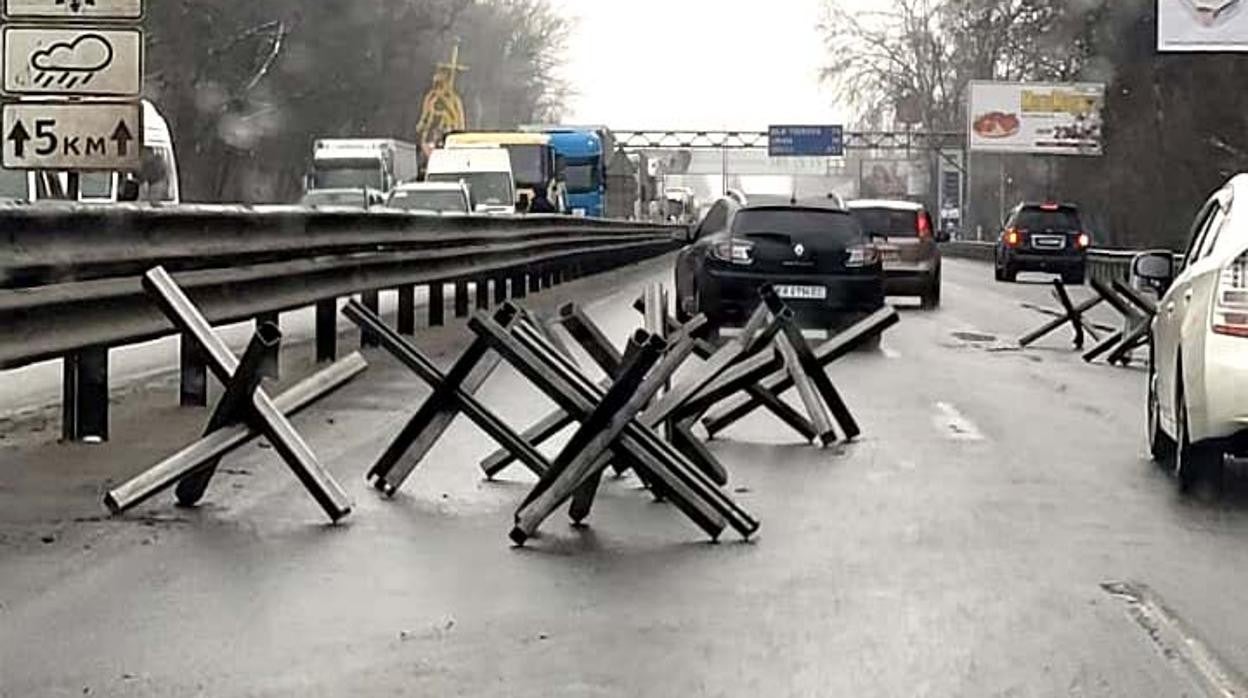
[{"x": 1153, "y": 270}]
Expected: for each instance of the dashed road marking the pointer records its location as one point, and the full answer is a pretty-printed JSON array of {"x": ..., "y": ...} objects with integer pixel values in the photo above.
[
  {"x": 1177, "y": 642},
  {"x": 954, "y": 424}
]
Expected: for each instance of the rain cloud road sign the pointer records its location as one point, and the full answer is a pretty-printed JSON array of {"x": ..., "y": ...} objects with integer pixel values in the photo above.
[
  {"x": 94, "y": 136},
  {"x": 73, "y": 9},
  {"x": 64, "y": 61}
]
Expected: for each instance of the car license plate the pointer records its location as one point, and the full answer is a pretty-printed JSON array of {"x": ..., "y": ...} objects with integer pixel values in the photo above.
[{"x": 805, "y": 293}]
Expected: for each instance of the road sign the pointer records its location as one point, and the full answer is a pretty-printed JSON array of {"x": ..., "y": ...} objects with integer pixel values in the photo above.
[
  {"x": 94, "y": 136},
  {"x": 73, "y": 9},
  {"x": 806, "y": 141},
  {"x": 64, "y": 61}
]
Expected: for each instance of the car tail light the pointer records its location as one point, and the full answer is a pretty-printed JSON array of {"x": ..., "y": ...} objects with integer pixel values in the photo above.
[
  {"x": 1230, "y": 310},
  {"x": 1084, "y": 241},
  {"x": 1013, "y": 238},
  {"x": 862, "y": 256},
  {"x": 925, "y": 226},
  {"x": 735, "y": 252},
  {"x": 1049, "y": 206}
]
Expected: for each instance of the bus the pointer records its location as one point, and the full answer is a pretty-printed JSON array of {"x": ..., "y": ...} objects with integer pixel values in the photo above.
[
  {"x": 157, "y": 180},
  {"x": 533, "y": 160}
]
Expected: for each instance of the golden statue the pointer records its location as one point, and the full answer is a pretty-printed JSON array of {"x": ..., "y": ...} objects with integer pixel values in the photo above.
[{"x": 443, "y": 110}]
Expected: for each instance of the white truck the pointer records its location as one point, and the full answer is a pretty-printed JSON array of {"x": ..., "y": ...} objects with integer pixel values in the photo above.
[
  {"x": 486, "y": 171},
  {"x": 378, "y": 164}
]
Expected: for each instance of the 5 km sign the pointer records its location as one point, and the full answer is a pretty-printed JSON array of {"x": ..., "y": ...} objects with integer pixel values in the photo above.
[{"x": 72, "y": 136}]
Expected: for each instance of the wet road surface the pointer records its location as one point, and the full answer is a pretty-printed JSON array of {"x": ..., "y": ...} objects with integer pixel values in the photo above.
[{"x": 959, "y": 548}]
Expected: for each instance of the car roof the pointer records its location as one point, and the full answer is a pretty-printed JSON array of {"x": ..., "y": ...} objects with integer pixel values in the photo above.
[
  {"x": 429, "y": 186},
  {"x": 789, "y": 206},
  {"x": 895, "y": 204},
  {"x": 778, "y": 201},
  {"x": 1050, "y": 205}
]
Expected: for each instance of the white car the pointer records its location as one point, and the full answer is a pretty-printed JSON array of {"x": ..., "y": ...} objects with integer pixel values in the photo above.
[
  {"x": 1198, "y": 373},
  {"x": 432, "y": 198}
]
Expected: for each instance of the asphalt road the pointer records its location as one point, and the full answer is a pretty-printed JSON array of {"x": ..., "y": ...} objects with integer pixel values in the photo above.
[{"x": 960, "y": 548}]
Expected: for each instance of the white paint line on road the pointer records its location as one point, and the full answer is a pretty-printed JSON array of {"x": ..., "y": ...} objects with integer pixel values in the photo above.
[
  {"x": 890, "y": 353},
  {"x": 954, "y": 425},
  {"x": 1177, "y": 641}
]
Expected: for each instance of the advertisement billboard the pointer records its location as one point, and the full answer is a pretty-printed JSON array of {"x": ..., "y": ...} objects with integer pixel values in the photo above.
[
  {"x": 1040, "y": 118},
  {"x": 1202, "y": 25}
]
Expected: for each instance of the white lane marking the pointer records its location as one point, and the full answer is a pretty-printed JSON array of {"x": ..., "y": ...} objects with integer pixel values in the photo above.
[
  {"x": 890, "y": 353},
  {"x": 954, "y": 424},
  {"x": 1178, "y": 642}
]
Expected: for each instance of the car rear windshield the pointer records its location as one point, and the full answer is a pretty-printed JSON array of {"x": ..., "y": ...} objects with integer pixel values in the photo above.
[
  {"x": 889, "y": 222},
  {"x": 1048, "y": 219},
  {"x": 835, "y": 224}
]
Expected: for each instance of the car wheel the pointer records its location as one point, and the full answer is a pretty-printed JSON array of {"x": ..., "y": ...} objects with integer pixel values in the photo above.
[
  {"x": 1160, "y": 445},
  {"x": 931, "y": 299},
  {"x": 1193, "y": 461},
  {"x": 1009, "y": 275}
]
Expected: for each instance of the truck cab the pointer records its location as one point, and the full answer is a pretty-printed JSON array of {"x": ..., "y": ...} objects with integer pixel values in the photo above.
[
  {"x": 586, "y": 169},
  {"x": 486, "y": 171},
  {"x": 534, "y": 163},
  {"x": 362, "y": 163}
]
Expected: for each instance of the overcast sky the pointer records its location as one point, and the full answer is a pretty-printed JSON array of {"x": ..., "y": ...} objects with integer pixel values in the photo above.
[{"x": 710, "y": 64}]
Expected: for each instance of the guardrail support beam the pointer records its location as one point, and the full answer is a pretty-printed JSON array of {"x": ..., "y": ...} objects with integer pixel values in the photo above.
[
  {"x": 437, "y": 305},
  {"x": 372, "y": 301},
  {"x": 193, "y": 384},
  {"x": 461, "y": 299},
  {"x": 271, "y": 365},
  {"x": 500, "y": 290},
  {"x": 326, "y": 331},
  {"x": 483, "y": 293},
  {"x": 84, "y": 404},
  {"x": 407, "y": 310}
]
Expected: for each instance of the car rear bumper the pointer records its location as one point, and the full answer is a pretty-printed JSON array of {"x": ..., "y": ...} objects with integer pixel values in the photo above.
[
  {"x": 729, "y": 297},
  {"x": 1225, "y": 407},
  {"x": 1041, "y": 261},
  {"x": 909, "y": 279}
]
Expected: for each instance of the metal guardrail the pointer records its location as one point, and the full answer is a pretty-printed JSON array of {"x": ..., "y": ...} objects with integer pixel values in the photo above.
[{"x": 70, "y": 276}]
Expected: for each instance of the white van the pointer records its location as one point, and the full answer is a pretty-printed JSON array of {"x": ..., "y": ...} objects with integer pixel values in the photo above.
[
  {"x": 158, "y": 176},
  {"x": 486, "y": 171}
]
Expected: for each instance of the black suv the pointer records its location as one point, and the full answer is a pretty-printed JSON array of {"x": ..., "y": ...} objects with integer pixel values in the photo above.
[
  {"x": 815, "y": 255},
  {"x": 1044, "y": 237}
]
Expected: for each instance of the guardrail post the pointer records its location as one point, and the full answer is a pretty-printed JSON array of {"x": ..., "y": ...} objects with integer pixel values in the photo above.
[
  {"x": 500, "y": 290},
  {"x": 437, "y": 305},
  {"x": 193, "y": 386},
  {"x": 461, "y": 298},
  {"x": 535, "y": 280},
  {"x": 547, "y": 276},
  {"x": 84, "y": 404},
  {"x": 483, "y": 293},
  {"x": 518, "y": 287},
  {"x": 270, "y": 366},
  {"x": 407, "y": 310},
  {"x": 372, "y": 301},
  {"x": 326, "y": 331}
]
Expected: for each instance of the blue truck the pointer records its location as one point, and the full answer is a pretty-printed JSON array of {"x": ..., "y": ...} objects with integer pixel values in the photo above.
[{"x": 585, "y": 151}]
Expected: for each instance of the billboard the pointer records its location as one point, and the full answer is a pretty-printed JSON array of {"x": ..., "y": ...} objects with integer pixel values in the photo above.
[
  {"x": 1202, "y": 25},
  {"x": 1040, "y": 118}
]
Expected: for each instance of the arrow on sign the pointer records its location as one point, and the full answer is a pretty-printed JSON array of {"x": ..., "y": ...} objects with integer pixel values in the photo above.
[
  {"x": 121, "y": 136},
  {"x": 19, "y": 135},
  {"x": 76, "y": 5}
]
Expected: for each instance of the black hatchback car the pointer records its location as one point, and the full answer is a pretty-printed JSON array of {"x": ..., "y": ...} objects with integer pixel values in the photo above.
[
  {"x": 1046, "y": 237},
  {"x": 815, "y": 255}
]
